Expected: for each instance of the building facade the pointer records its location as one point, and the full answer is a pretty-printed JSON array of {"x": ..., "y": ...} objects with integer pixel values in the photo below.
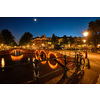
[{"x": 41, "y": 42}]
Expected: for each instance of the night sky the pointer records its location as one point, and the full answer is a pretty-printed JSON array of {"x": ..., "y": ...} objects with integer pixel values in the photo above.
[{"x": 70, "y": 26}]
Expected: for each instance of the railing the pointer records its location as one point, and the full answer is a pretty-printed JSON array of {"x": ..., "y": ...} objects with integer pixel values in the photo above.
[
  {"x": 77, "y": 67},
  {"x": 78, "y": 62}
]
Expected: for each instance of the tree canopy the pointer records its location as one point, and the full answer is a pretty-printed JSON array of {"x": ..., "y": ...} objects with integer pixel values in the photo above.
[
  {"x": 25, "y": 39},
  {"x": 94, "y": 32},
  {"x": 65, "y": 41},
  {"x": 1, "y": 39},
  {"x": 8, "y": 38},
  {"x": 54, "y": 39},
  {"x": 71, "y": 40}
]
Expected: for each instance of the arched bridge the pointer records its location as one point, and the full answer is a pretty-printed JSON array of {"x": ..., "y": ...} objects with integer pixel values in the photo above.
[
  {"x": 5, "y": 52},
  {"x": 22, "y": 50}
]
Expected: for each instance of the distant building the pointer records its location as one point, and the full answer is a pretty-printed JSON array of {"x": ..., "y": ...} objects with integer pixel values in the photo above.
[{"x": 41, "y": 41}]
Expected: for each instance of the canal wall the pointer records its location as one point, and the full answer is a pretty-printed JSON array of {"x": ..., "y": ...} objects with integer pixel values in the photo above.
[{"x": 5, "y": 52}]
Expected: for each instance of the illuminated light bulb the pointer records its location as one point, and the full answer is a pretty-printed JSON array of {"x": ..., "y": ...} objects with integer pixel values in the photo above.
[
  {"x": 85, "y": 33},
  {"x": 84, "y": 41}
]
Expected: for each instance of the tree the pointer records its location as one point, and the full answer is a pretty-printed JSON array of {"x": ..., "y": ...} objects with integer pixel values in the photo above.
[
  {"x": 65, "y": 41},
  {"x": 1, "y": 39},
  {"x": 54, "y": 39},
  {"x": 8, "y": 37},
  {"x": 25, "y": 39},
  {"x": 71, "y": 40},
  {"x": 94, "y": 32}
]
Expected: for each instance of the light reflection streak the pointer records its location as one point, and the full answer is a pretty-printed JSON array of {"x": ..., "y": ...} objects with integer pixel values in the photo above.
[
  {"x": 28, "y": 59},
  {"x": 2, "y": 62}
]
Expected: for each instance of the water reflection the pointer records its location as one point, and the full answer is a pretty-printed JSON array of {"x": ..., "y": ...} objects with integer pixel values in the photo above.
[
  {"x": 52, "y": 55},
  {"x": 18, "y": 74},
  {"x": 43, "y": 56},
  {"x": 16, "y": 58},
  {"x": 37, "y": 54},
  {"x": 40, "y": 55},
  {"x": 28, "y": 59},
  {"x": 2, "y": 62},
  {"x": 16, "y": 55}
]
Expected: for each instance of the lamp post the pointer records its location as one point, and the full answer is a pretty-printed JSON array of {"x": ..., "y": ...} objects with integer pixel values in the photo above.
[{"x": 85, "y": 33}]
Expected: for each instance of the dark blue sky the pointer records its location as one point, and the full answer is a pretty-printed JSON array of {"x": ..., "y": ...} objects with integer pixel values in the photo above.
[{"x": 70, "y": 26}]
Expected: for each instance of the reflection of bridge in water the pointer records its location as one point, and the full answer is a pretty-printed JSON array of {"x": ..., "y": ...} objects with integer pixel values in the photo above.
[{"x": 46, "y": 57}]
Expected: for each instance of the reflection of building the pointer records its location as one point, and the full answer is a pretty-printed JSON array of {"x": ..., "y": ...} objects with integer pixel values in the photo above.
[{"x": 42, "y": 41}]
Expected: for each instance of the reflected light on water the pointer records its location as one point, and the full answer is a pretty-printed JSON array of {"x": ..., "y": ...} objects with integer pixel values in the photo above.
[
  {"x": 2, "y": 62},
  {"x": 16, "y": 58},
  {"x": 43, "y": 62},
  {"x": 28, "y": 59},
  {"x": 33, "y": 61},
  {"x": 52, "y": 66},
  {"x": 37, "y": 54}
]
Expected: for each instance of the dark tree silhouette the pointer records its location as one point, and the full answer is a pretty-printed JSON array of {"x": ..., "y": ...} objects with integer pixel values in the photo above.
[
  {"x": 54, "y": 39},
  {"x": 8, "y": 37},
  {"x": 25, "y": 39},
  {"x": 71, "y": 40},
  {"x": 65, "y": 41},
  {"x": 1, "y": 39},
  {"x": 94, "y": 32}
]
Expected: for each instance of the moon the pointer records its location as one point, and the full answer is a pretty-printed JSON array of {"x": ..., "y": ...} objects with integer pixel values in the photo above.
[{"x": 35, "y": 19}]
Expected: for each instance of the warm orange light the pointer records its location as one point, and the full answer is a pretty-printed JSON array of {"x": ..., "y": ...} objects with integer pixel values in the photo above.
[
  {"x": 52, "y": 66},
  {"x": 85, "y": 33},
  {"x": 43, "y": 62},
  {"x": 1, "y": 44},
  {"x": 98, "y": 45},
  {"x": 2, "y": 62},
  {"x": 84, "y": 41},
  {"x": 16, "y": 58},
  {"x": 37, "y": 52},
  {"x": 16, "y": 50},
  {"x": 28, "y": 59}
]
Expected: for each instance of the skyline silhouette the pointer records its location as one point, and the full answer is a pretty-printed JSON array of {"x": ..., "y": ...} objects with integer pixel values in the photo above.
[{"x": 37, "y": 26}]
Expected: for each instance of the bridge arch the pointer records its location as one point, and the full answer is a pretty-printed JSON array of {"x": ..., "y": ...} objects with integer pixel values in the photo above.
[{"x": 17, "y": 49}]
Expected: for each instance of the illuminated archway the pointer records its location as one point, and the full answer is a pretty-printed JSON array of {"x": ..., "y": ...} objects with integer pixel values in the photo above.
[
  {"x": 51, "y": 65},
  {"x": 43, "y": 56},
  {"x": 37, "y": 54},
  {"x": 16, "y": 50}
]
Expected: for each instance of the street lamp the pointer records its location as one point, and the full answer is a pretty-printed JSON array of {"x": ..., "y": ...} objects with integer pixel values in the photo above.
[
  {"x": 85, "y": 33},
  {"x": 84, "y": 41}
]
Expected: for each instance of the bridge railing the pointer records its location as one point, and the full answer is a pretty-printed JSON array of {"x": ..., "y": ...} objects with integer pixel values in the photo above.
[{"x": 78, "y": 62}]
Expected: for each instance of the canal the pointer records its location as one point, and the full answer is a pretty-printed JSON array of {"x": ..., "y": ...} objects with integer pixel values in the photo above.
[{"x": 12, "y": 72}]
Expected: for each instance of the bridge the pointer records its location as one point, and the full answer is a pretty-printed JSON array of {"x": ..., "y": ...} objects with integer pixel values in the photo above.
[{"x": 6, "y": 52}]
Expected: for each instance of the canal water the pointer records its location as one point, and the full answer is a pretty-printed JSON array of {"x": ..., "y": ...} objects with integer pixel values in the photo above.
[{"x": 18, "y": 68}]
